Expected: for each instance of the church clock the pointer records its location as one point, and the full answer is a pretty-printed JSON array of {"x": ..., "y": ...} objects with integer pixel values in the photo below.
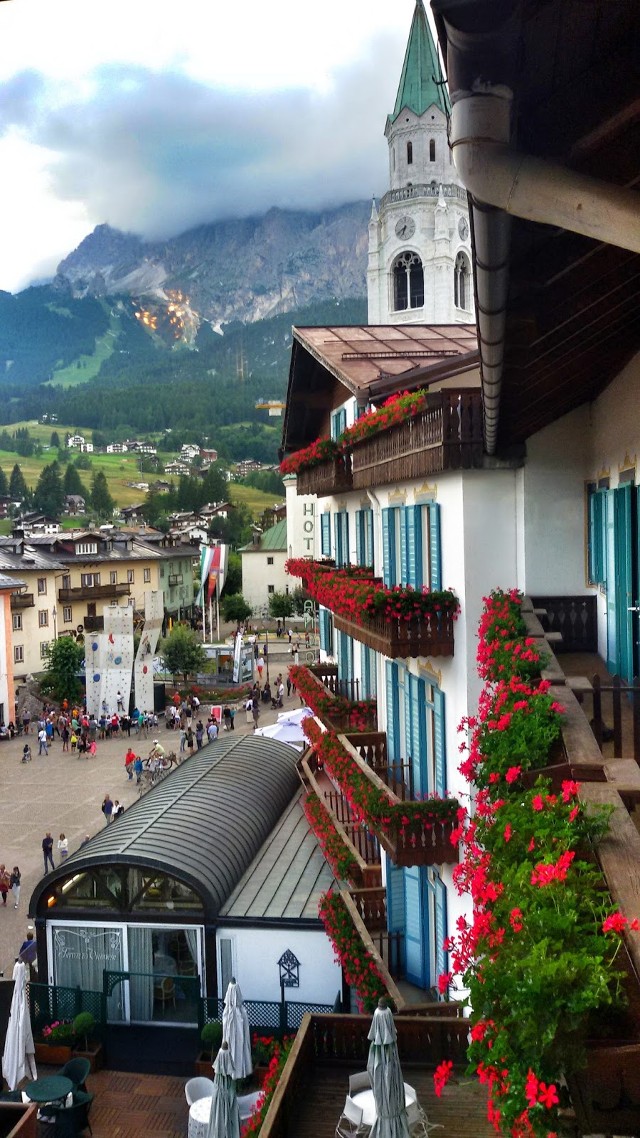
[{"x": 405, "y": 228}]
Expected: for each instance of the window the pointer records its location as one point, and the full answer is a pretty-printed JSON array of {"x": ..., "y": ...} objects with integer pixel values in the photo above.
[
  {"x": 341, "y": 533},
  {"x": 42, "y": 586},
  {"x": 67, "y": 615},
  {"x": 432, "y": 149},
  {"x": 416, "y": 728},
  {"x": 411, "y": 546},
  {"x": 130, "y": 576},
  {"x": 161, "y": 572},
  {"x": 597, "y": 535},
  {"x": 269, "y": 560},
  {"x": 18, "y": 654},
  {"x": 409, "y": 154},
  {"x": 146, "y": 576},
  {"x": 408, "y": 282},
  {"x": 325, "y": 534},
  {"x": 87, "y": 547},
  {"x": 271, "y": 588},
  {"x": 113, "y": 576},
  {"x": 338, "y": 422},
  {"x": 44, "y": 649},
  {"x": 43, "y": 618},
  {"x": 66, "y": 581},
  {"x": 461, "y": 282},
  {"x": 88, "y": 580},
  {"x": 364, "y": 537},
  {"x": 17, "y": 621}
]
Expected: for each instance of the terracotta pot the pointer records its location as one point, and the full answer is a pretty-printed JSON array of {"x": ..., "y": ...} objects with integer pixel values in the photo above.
[
  {"x": 95, "y": 1055},
  {"x": 52, "y": 1054},
  {"x": 204, "y": 1065}
]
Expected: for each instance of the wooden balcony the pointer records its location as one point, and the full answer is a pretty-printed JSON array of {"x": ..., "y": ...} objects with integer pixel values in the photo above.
[
  {"x": 93, "y": 593},
  {"x": 430, "y": 634},
  {"x": 328, "y": 1048},
  {"x": 22, "y": 601},
  {"x": 330, "y": 477},
  {"x": 365, "y": 853},
  {"x": 413, "y": 844},
  {"x": 333, "y": 690},
  {"x": 447, "y": 435},
  {"x": 372, "y": 907},
  {"x": 93, "y": 623}
]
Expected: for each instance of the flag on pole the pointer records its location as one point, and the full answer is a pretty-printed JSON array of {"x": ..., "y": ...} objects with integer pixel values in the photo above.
[
  {"x": 217, "y": 570},
  {"x": 206, "y": 554}
]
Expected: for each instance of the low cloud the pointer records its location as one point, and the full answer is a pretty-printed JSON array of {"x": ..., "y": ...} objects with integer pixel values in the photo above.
[{"x": 157, "y": 154}]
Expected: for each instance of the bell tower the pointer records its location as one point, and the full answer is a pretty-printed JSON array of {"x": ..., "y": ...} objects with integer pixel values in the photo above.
[{"x": 419, "y": 269}]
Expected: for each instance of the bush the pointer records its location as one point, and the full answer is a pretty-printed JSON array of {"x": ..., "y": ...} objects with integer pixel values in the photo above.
[
  {"x": 83, "y": 1027},
  {"x": 211, "y": 1036}
]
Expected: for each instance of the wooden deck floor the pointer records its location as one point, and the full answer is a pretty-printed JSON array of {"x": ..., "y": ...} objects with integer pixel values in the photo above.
[
  {"x": 153, "y": 1106},
  {"x": 134, "y": 1106},
  {"x": 461, "y": 1109}
]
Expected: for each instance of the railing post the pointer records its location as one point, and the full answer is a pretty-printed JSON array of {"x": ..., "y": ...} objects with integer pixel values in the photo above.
[
  {"x": 616, "y": 696},
  {"x": 596, "y": 722}
]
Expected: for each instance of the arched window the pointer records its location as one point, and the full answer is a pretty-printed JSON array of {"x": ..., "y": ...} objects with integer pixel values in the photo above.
[
  {"x": 432, "y": 149},
  {"x": 409, "y": 154},
  {"x": 408, "y": 282},
  {"x": 462, "y": 282}
]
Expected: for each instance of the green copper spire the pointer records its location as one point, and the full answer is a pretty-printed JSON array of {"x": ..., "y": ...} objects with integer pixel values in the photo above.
[{"x": 421, "y": 80}]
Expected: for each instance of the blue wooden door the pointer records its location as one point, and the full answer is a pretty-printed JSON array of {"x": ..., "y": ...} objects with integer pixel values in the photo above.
[
  {"x": 610, "y": 555},
  {"x": 624, "y": 580},
  {"x": 416, "y": 931}
]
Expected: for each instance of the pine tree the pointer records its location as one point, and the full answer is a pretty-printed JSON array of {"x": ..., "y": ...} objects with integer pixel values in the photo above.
[
  {"x": 49, "y": 493},
  {"x": 101, "y": 500},
  {"x": 72, "y": 482},
  {"x": 18, "y": 488},
  {"x": 4, "y": 485}
]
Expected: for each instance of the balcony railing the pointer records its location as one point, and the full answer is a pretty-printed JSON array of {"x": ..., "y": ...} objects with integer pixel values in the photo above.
[
  {"x": 340, "y": 1041},
  {"x": 364, "y": 850},
  {"x": 429, "y": 634},
  {"x": 93, "y": 623},
  {"x": 22, "y": 601},
  {"x": 92, "y": 593},
  {"x": 447, "y": 435},
  {"x": 333, "y": 476},
  {"x": 334, "y": 701}
]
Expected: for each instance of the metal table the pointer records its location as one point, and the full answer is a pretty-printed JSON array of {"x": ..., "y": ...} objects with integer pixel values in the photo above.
[
  {"x": 367, "y": 1103},
  {"x": 50, "y": 1088}
]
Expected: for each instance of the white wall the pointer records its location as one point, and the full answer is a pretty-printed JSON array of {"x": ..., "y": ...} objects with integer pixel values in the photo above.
[
  {"x": 302, "y": 514},
  {"x": 256, "y": 953},
  {"x": 257, "y": 575}
]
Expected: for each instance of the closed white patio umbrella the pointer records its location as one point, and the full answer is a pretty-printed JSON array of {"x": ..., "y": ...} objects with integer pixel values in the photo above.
[
  {"x": 289, "y": 733},
  {"x": 236, "y": 1031},
  {"x": 224, "y": 1120},
  {"x": 385, "y": 1074},
  {"x": 18, "y": 1059}
]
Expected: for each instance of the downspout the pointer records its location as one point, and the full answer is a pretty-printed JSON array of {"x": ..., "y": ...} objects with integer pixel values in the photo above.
[{"x": 502, "y": 182}]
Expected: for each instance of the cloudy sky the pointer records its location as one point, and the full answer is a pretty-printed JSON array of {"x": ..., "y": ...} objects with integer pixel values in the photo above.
[{"x": 155, "y": 117}]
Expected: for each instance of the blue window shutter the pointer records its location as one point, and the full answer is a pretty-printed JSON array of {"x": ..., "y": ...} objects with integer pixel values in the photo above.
[
  {"x": 440, "y": 757},
  {"x": 392, "y": 709},
  {"x": 403, "y": 514},
  {"x": 388, "y": 547},
  {"x": 434, "y": 546},
  {"x": 326, "y": 640},
  {"x": 418, "y": 579},
  {"x": 359, "y": 536},
  {"x": 345, "y": 537},
  {"x": 325, "y": 535},
  {"x": 395, "y": 898},
  {"x": 413, "y": 527},
  {"x": 442, "y": 956},
  {"x": 407, "y": 748},
  {"x": 597, "y": 537},
  {"x": 369, "y": 537}
]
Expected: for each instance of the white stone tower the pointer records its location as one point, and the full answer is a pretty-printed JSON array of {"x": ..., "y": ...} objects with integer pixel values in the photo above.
[{"x": 419, "y": 242}]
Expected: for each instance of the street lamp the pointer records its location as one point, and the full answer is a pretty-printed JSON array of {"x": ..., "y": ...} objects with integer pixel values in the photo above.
[{"x": 54, "y": 613}]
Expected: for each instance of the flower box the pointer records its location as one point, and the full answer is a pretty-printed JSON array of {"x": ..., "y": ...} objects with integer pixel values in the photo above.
[
  {"x": 52, "y": 1054},
  {"x": 430, "y": 634},
  {"x": 94, "y": 1055},
  {"x": 332, "y": 476}
]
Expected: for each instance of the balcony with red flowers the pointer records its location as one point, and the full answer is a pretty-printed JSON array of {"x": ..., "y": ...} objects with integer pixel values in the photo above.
[
  {"x": 397, "y": 621},
  {"x": 332, "y": 700}
]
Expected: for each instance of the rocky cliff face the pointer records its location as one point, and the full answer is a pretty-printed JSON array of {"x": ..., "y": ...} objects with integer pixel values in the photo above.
[{"x": 245, "y": 269}]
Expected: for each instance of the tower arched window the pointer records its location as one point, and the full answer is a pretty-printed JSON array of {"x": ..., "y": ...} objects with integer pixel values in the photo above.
[
  {"x": 462, "y": 282},
  {"x": 432, "y": 149},
  {"x": 409, "y": 154},
  {"x": 408, "y": 282}
]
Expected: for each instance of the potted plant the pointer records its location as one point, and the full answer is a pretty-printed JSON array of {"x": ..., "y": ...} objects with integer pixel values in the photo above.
[
  {"x": 55, "y": 1046},
  {"x": 263, "y": 1049},
  {"x": 91, "y": 1049},
  {"x": 211, "y": 1037}
]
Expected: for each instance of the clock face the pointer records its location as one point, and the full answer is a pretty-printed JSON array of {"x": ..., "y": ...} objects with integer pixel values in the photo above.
[
  {"x": 463, "y": 228},
  {"x": 405, "y": 227}
]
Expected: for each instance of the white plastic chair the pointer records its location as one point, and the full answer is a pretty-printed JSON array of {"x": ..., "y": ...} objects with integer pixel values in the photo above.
[
  {"x": 350, "y": 1124},
  {"x": 359, "y": 1082},
  {"x": 418, "y": 1121},
  {"x": 198, "y": 1088}
]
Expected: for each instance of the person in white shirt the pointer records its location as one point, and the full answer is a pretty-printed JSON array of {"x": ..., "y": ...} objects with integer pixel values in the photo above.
[
  {"x": 212, "y": 730},
  {"x": 63, "y": 847}
]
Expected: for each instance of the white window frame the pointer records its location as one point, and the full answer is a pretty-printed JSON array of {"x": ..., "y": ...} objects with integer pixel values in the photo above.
[
  {"x": 84, "y": 547},
  {"x": 67, "y": 614},
  {"x": 18, "y": 654},
  {"x": 43, "y": 618},
  {"x": 42, "y": 586},
  {"x": 17, "y": 622},
  {"x": 146, "y": 576}
]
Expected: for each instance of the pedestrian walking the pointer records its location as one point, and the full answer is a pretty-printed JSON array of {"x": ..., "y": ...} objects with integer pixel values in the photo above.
[
  {"x": 255, "y": 713},
  {"x": 183, "y": 740},
  {"x": 107, "y": 809},
  {"x": 199, "y": 734},
  {"x": 249, "y": 710},
  {"x": 47, "y": 850},
  {"x": 118, "y": 809},
  {"x": 288, "y": 685},
  {"x": 137, "y": 766},
  {"x": 42, "y": 742},
  {"x": 26, "y": 753},
  {"x": 212, "y": 731},
  {"x": 190, "y": 739},
  {"x": 129, "y": 760},
  {"x": 63, "y": 847},
  {"x": 15, "y": 885},
  {"x": 5, "y": 883},
  {"x": 65, "y": 736}
]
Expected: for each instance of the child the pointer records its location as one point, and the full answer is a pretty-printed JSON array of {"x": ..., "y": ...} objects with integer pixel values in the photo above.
[
  {"x": 74, "y": 741},
  {"x": 26, "y": 753}
]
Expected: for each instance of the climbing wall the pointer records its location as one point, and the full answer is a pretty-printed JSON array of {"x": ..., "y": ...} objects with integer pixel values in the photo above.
[
  {"x": 117, "y": 656},
  {"x": 93, "y": 653},
  {"x": 143, "y": 668}
]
